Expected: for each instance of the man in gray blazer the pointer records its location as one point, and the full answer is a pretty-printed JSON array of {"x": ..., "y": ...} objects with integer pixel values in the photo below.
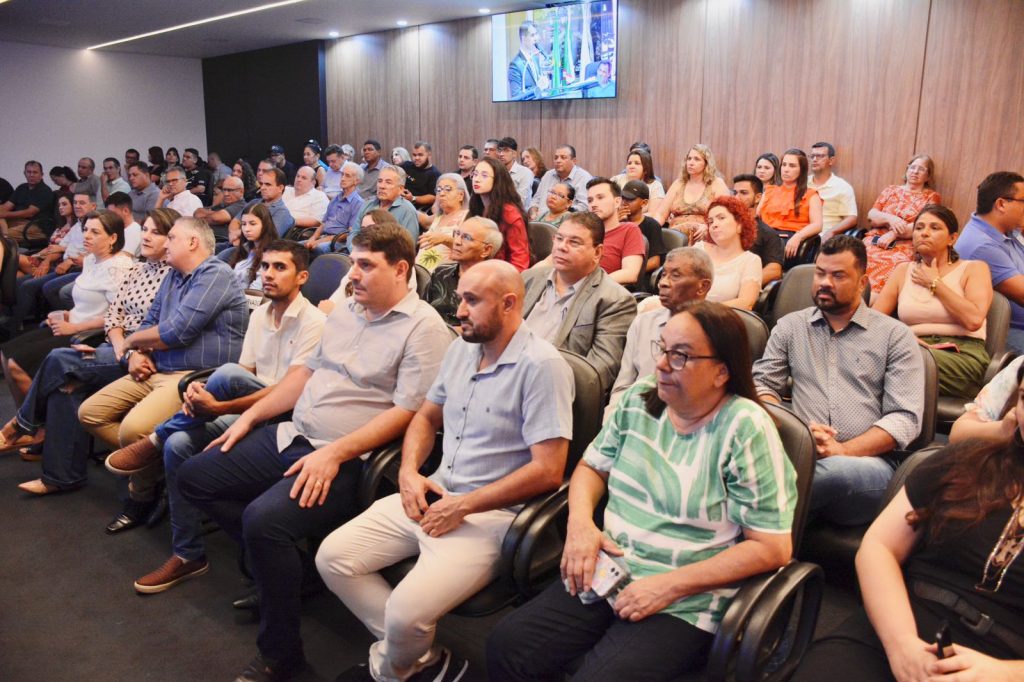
[{"x": 574, "y": 304}]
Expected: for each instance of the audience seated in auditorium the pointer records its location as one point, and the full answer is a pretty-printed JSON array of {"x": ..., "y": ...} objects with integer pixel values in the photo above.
[
  {"x": 143, "y": 192},
  {"x": 766, "y": 169},
  {"x": 495, "y": 198},
  {"x": 331, "y": 184},
  {"x": 68, "y": 375},
  {"x": 220, "y": 215},
  {"x": 474, "y": 241},
  {"x": 219, "y": 170},
  {"x": 311, "y": 159},
  {"x": 466, "y": 163},
  {"x": 522, "y": 177},
  {"x": 304, "y": 201},
  {"x": 27, "y": 213},
  {"x": 686, "y": 538},
  {"x": 42, "y": 261},
  {"x": 992, "y": 235},
  {"x": 243, "y": 170},
  {"x": 121, "y": 204},
  {"x": 534, "y": 160},
  {"x": 731, "y": 233},
  {"x": 271, "y": 486},
  {"x": 892, "y": 220},
  {"x": 372, "y": 165},
  {"x": 990, "y": 415},
  {"x": 390, "y": 183},
  {"x": 565, "y": 170},
  {"x": 103, "y": 270},
  {"x": 112, "y": 181},
  {"x": 342, "y": 210},
  {"x": 282, "y": 334},
  {"x": 940, "y": 556},
  {"x": 635, "y": 197},
  {"x": 155, "y": 165},
  {"x": 272, "y": 186},
  {"x": 88, "y": 181},
  {"x": 685, "y": 205},
  {"x": 450, "y": 208},
  {"x": 574, "y": 303},
  {"x": 197, "y": 320},
  {"x": 61, "y": 176},
  {"x": 688, "y": 276},
  {"x": 456, "y": 519},
  {"x": 174, "y": 193},
  {"x": 558, "y": 203},
  {"x": 640, "y": 167},
  {"x": 623, "y": 253},
  {"x": 838, "y": 203},
  {"x": 491, "y": 148},
  {"x": 792, "y": 209},
  {"x": 172, "y": 158},
  {"x": 767, "y": 245},
  {"x": 198, "y": 178},
  {"x": 277, "y": 157},
  {"x": 857, "y": 380},
  {"x": 944, "y": 300},
  {"x": 421, "y": 177},
  {"x": 258, "y": 232},
  {"x": 400, "y": 155}
]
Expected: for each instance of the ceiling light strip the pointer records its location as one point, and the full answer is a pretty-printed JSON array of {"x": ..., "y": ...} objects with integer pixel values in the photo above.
[{"x": 199, "y": 22}]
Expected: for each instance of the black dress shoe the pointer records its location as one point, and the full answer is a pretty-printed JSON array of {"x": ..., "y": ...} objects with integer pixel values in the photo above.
[
  {"x": 250, "y": 602},
  {"x": 263, "y": 669},
  {"x": 159, "y": 511},
  {"x": 133, "y": 514}
]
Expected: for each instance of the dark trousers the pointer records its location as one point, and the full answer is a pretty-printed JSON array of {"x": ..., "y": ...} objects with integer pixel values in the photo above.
[
  {"x": 541, "y": 639},
  {"x": 242, "y": 490}
]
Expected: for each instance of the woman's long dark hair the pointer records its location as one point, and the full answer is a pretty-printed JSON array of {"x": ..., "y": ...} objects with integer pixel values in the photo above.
[
  {"x": 948, "y": 219},
  {"x": 268, "y": 234},
  {"x": 503, "y": 192},
  {"x": 249, "y": 185},
  {"x": 801, "y": 182},
  {"x": 727, "y": 336},
  {"x": 774, "y": 161},
  {"x": 978, "y": 477}
]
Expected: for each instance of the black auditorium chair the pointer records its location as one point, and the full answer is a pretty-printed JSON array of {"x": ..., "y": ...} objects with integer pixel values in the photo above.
[
  {"x": 325, "y": 274},
  {"x": 541, "y": 239},
  {"x": 8, "y": 270},
  {"x": 532, "y": 547},
  {"x": 831, "y": 544},
  {"x": 793, "y": 293},
  {"x": 673, "y": 239},
  {"x": 805, "y": 254},
  {"x": 422, "y": 280},
  {"x": 996, "y": 330},
  {"x": 757, "y": 332}
]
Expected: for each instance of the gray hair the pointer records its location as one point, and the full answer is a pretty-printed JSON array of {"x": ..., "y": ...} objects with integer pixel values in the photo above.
[
  {"x": 460, "y": 186},
  {"x": 348, "y": 150},
  {"x": 492, "y": 234},
  {"x": 698, "y": 262},
  {"x": 397, "y": 170},
  {"x": 201, "y": 229},
  {"x": 179, "y": 169},
  {"x": 402, "y": 153},
  {"x": 356, "y": 167}
]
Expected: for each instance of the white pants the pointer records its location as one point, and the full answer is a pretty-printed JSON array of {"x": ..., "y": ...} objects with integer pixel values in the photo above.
[{"x": 450, "y": 569}]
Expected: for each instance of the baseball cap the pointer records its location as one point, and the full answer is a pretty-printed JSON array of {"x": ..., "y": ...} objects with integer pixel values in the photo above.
[
  {"x": 276, "y": 149},
  {"x": 635, "y": 189}
]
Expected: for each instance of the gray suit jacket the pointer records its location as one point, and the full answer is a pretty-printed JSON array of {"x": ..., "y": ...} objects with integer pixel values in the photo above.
[{"x": 597, "y": 320}]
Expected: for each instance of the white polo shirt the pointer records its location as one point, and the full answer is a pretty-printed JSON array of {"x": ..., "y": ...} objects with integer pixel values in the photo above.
[
  {"x": 185, "y": 203},
  {"x": 837, "y": 201},
  {"x": 272, "y": 349},
  {"x": 312, "y": 204}
]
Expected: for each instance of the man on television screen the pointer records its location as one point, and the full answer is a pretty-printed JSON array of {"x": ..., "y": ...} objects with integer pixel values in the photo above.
[
  {"x": 525, "y": 79},
  {"x": 605, "y": 85}
]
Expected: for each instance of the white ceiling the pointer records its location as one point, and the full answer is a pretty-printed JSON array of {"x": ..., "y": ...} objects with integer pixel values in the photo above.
[{"x": 81, "y": 23}]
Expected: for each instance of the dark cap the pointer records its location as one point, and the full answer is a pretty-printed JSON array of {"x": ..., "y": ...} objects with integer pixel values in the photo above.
[
  {"x": 508, "y": 143},
  {"x": 276, "y": 149},
  {"x": 636, "y": 189}
]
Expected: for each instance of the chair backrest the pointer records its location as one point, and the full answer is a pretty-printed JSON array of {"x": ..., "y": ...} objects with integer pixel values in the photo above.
[
  {"x": 757, "y": 332},
  {"x": 541, "y": 238},
  {"x": 806, "y": 253},
  {"x": 794, "y": 292},
  {"x": 422, "y": 280},
  {"x": 997, "y": 324},
  {"x": 673, "y": 239},
  {"x": 8, "y": 270},
  {"x": 799, "y": 445},
  {"x": 931, "y": 399},
  {"x": 254, "y": 298},
  {"x": 587, "y": 406},
  {"x": 325, "y": 275}
]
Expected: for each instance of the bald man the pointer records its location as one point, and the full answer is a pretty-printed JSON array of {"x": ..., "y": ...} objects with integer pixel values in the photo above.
[
  {"x": 219, "y": 216},
  {"x": 504, "y": 397}
]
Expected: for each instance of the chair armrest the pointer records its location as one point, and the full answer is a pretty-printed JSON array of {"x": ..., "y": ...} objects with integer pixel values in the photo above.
[
  {"x": 300, "y": 234},
  {"x": 856, "y": 232},
  {"x": 375, "y": 472},
  {"x": 197, "y": 375},
  {"x": 532, "y": 526},
  {"x": 334, "y": 241},
  {"x": 766, "y": 299},
  {"x": 91, "y": 337},
  {"x": 997, "y": 364},
  {"x": 778, "y": 624}
]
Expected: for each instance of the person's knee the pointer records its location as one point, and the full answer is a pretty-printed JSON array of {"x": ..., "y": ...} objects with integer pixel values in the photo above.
[
  {"x": 222, "y": 382},
  {"x": 191, "y": 479},
  {"x": 177, "y": 448},
  {"x": 90, "y": 415},
  {"x": 133, "y": 427},
  {"x": 408, "y": 615},
  {"x": 263, "y": 520},
  {"x": 333, "y": 561}
]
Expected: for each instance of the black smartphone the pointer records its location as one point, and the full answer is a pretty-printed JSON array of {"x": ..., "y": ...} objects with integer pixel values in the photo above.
[
  {"x": 432, "y": 497},
  {"x": 943, "y": 639}
]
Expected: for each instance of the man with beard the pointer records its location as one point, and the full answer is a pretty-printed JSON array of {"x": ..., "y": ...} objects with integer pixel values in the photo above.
[
  {"x": 504, "y": 396},
  {"x": 858, "y": 382}
]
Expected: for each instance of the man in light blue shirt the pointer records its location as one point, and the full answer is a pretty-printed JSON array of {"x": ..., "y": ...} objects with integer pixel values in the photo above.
[
  {"x": 390, "y": 182},
  {"x": 341, "y": 212},
  {"x": 565, "y": 170}
]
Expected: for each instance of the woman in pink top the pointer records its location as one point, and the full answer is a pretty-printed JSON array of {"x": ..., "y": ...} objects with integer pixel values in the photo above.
[{"x": 944, "y": 300}]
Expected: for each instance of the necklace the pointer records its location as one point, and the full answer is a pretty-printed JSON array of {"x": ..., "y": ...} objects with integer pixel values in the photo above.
[{"x": 1006, "y": 550}]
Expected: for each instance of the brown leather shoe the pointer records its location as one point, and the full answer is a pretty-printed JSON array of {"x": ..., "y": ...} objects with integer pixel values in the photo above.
[
  {"x": 170, "y": 574},
  {"x": 132, "y": 458}
]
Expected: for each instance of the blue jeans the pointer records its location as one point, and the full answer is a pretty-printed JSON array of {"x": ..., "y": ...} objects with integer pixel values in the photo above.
[
  {"x": 52, "y": 289},
  {"x": 848, "y": 490},
  {"x": 66, "y": 447},
  {"x": 1015, "y": 340},
  {"x": 242, "y": 490},
  {"x": 182, "y": 438},
  {"x": 321, "y": 249},
  {"x": 27, "y": 298}
]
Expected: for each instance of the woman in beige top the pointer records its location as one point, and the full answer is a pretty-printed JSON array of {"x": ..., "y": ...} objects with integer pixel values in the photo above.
[
  {"x": 944, "y": 301},
  {"x": 686, "y": 204},
  {"x": 450, "y": 210}
]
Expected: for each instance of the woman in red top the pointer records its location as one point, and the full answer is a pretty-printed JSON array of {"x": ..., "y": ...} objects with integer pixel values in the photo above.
[
  {"x": 495, "y": 197},
  {"x": 792, "y": 209}
]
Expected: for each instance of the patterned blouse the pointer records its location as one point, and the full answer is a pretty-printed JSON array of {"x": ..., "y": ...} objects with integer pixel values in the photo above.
[{"x": 135, "y": 296}]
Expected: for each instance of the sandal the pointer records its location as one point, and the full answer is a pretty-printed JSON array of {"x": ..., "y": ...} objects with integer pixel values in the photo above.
[{"x": 21, "y": 438}]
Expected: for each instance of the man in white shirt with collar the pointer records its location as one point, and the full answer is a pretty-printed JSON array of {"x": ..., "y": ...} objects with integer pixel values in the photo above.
[
  {"x": 305, "y": 202},
  {"x": 175, "y": 194},
  {"x": 838, "y": 203},
  {"x": 565, "y": 170},
  {"x": 282, "y": 334},
  {"x": 111, "y": 181},
  {"x": 121, "y": 204},
  {"x": 508, "y": 154}
]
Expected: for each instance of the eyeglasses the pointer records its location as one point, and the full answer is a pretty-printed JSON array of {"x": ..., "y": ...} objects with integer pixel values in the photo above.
[
  {"x": 1021, "y": 199},
  {"x": 464, "y": 236},
  {"x": 818, "y": 156},
  {"x": 677, "y": 359},
  {"x": 482, "y": 176},
  {"x": 169, "y": 180},
  {"x": 564, "y": 197},
  {"x": 444, "y": 189}
]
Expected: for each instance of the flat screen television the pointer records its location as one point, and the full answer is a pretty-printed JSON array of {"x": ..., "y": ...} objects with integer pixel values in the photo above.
[{"x": 560, "y": 52}]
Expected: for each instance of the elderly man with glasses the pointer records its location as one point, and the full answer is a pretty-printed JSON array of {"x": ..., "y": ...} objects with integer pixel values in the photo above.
[
  {"x": 220, "y": 215},
  {"x": 174, "y": 194}
]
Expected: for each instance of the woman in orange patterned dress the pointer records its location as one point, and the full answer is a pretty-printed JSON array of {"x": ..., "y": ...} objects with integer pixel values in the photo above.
[
  {"x": 892, "y": 220},
  {"x": 685, "y": 206}
]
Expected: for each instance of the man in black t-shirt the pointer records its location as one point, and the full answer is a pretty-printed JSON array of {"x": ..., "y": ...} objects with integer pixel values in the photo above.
[
  {"x": 198, "y": 179},
  {"x": 421, "y": 177},
  {"x": 635, "y": 195},
  {"x": 6, "y": 190},
  {"x": 26, "y": 215},
  {"x": 768, "y": 246}
]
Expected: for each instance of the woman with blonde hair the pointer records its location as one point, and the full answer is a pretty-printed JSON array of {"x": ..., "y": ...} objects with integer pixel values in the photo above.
[{"x": 685, "y": 206}]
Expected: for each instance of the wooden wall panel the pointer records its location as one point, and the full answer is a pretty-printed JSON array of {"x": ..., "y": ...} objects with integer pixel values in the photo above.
[
  {"x": 845, "y": 72},
  {"x": 660, "y": 77},
  {"x": 972, "y": 102}
]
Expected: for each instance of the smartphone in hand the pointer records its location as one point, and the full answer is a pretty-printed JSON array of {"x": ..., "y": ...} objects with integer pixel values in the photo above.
[{"x": 943, "y": 641}]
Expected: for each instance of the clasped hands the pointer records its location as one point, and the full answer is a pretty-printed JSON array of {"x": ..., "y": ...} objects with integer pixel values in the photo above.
[
  {"x": 442, "y": 516},
  {"x": 825, "y": 442}
]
